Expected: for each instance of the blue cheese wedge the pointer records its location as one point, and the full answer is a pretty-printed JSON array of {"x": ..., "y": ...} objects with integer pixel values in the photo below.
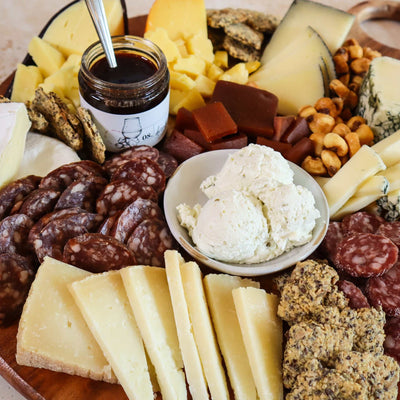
[{"x": 379, "y": 100}]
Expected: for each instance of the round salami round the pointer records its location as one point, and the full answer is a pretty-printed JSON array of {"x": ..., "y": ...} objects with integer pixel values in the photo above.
[
  {"x": 107, "y": 224},
  {"x": 14, "y": 231},
  {"x": 142, "y": 170},
  {"x": 132, "y": 216},
  {"x": 362, "y": 222},
  {"x": 95, "y": 252},
  {"x": 168, "y": 163},
  {"x": 39, "y": 202},
  {"x": 149, "y": 241},
  {"x": 117, "y": 195},
  {"x": 82, "y": 193},
  {"x": 391, "y": 230},
  {"x": 392, "y": 339},
  {"x": 384, "y": 291},
  {"x": 333, "y": 236},
  {"x": 354, "y": 294},
  {"x": 15, "y": 280},
  {"x": 366, "y": 255}
]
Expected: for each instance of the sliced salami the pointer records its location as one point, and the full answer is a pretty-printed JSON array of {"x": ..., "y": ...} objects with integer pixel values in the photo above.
[
  {"x": 354, "y": 294},
  {"x": 82, "y": 193},
  {"x": 97, "y": 253},
  {"x": 14, "y": 231},
  {"x": 132, "y": 216},
  {"x": 333, "y": 236},
  {"x": 142, "y": 170},
  {"x": 361, "y": 222},
  {"x": 168, "y": 163},
  {"x": 149, "y": 241},
  {"x": 15, "y": 280},
  {"x": 16, "y": 192},
  {"x": 117, "y": 195},
  {"x": 366, "y": 255},
  {"x": 391, "y": 230},
  {"x": 392, "y": 339},
  {"x": 384, "y": 291},
  {"x": 39, "y": 202},
  {"x": 106, "y": 226},
  {"x": 119, "y": 159},
  {"x": 55, "y": 234}
]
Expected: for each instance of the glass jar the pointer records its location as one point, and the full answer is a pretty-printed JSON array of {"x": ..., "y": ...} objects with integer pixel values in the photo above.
[{"x": 130, "y": 104}]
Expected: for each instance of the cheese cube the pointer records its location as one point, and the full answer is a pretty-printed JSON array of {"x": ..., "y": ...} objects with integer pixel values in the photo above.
[
  {"x": 214, "y": 72},
  {"x": 191, "y": 101},
  {"x": 389, "y": 149},
  {"x": 73, "y": 60},
  {"x": 175, "y": 96},
  {"x": 105, "y": 307},
  {"x": 160, "y": 37},
  {"x": 221, "y": 59},
  {"x": 205, "y": 85},
  {"x": 200, "y": 46},
  {"x": 26, "y": 80},
  {"x": 191, "y": 65},
  {"x": 237, "y": 74},
  {"x": 181, "y": 81},
  {"x": 14, "y": 125},
  {"x": 147, "y": 290},
  {"x": 262, "y": 334},
  {"x": 52, "y": 333}
]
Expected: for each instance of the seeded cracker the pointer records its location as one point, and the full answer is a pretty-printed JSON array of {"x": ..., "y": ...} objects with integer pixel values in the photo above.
[
  {"x": 4, "y": 99},
  {"x": 261, "y": 22},
  {"x": 239, "y": 50},
  {"x": 39, "y": 122},
  {"x": 226, "y": 16},
  {"x": 93, "y": 142},
  {"x": 244, "y": 34}
]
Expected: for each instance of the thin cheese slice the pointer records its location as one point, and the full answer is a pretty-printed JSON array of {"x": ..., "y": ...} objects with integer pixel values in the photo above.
[
  {"x": 220, "y": 301},
  {"x": 187, "y": 344},
  {"x": 392, "y": 174},
  {"x": 104, "y": 304},
  {"x": 204, "y": 331},
  {"x": 147, "y": 290},
  {"x": 365, "y": 163},
  {"x": 262, "y": 335},
  {"x": 389, "y": 149},
  {"x": 52, "y": 333}
]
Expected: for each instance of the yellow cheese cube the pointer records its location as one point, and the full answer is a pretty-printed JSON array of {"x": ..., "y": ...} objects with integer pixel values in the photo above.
[
  {"x": 191, "y": 65},
  {"x": 191, "y": 101},
  {"x": 237, "y": 74},
  {"x": 201, "y": 46},
  {"x": 221, "y": 59},
  {"x": 205, "y": 85},
  {"x": 46, "y": 57},
  {"x": 181, "y": 44},
  {"x": 161, "y": 39},
  {"x": 252, "y": 66},
  {"x": 26, "y": 80},
  {"x": 175, "y": 96},
  {"x": 73, "y": 60},
  {"x": 214, "y": 72},
  {"x": 61, "y": 79},
  {"x": 181, "y": 81},
  {"x": 50, "y": 86}
]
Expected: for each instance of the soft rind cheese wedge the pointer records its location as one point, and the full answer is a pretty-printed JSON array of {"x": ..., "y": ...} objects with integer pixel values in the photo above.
[
  {"x": 222, "y": 308},
  {"x": 148, "y": 293},
  {"x": 105, "y": 307},
  {"x": 14, "y": 125},
  {"x": 389, "y": 149},
  {"x": 262, "y": 335},
  {"x": 190, "y": 353},
  {"x": 52, "y": 333}
]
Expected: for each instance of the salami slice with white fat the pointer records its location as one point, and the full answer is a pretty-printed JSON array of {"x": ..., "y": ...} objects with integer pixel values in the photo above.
[
  {"x": 95, "y": 252},
  {"x": 39, "y": 202},
  {"x": 149, "y": 241},
  {"x": 143, "y": 170},
  {"x": 391, "y": 230},
  {"x": 365, "y": 255},
  {"x": 354, "y": 294},
  {"x": 117, "y": 195},
  {"x": 168, "y": 163},
  {"x": 333, "y": 236},
  {"x": 106, "y": 226},
  {"x": 14, "y": 231},
  {"x": 132, "y": 216},
  {"x": 392, "y": 339},
  {"x": 361, "y": 222}
]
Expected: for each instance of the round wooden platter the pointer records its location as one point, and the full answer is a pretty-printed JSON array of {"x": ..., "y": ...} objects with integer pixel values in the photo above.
[{"x": 41, "y": 384}]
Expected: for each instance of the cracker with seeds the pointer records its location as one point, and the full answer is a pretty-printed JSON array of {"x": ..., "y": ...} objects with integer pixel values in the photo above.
[
  {"x": 93, "y": 142},
  {"x": 240, "y": 51},
  {"x": 226, "y": 16},
  {"x": 266, "y": 23},
  {"x": 39, "y": 122},
  {"x": 246, "y": 35},
  {"x": 4, "y": 99}
]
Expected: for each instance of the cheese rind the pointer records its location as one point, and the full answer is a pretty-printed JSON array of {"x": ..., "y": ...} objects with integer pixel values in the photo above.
[
  {"x": 148, "y": 293},
  {"x": 105, "y": 307},
  {"x": 52, "y": 333}
]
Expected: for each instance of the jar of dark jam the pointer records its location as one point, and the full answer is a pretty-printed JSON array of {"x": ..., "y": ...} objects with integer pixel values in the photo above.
[{"x": 130, "y": 103}]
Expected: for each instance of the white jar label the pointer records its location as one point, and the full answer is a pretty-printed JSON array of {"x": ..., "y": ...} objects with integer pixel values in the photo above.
[{"x": 120, "y": 131}]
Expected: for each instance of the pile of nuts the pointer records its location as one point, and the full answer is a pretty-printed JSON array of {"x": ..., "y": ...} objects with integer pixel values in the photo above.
[{"x": 336, "y": 132}]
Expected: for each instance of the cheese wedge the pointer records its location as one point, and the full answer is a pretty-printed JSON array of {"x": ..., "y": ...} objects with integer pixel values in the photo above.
[
  {"x": 389, "y": 149},
  {"x": 147, "y": 290},
  {"x": 203, "y": 331},
  {"x": 262, "y": 335},
  {"x": 52, "y": 333},
  {"x": 392, "y": 174},
  {"x": 220, "y": 301},
  {"x": 105, "y": 307},
  {"x": 187, "y": 343}
]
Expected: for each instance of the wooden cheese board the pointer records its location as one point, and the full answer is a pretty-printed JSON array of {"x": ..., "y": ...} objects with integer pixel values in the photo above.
[{"x": 40, "y": 384}]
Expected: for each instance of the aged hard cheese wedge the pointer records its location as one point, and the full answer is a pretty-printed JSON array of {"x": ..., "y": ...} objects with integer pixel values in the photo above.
[
  {"x": 52, "y": 333},
  {"x": 105, "y": 307},
  {"x": 220, "y": 301},
  {"x": 147, "y": 290},
  {"x": 14, "y": 125},
  {"x": 26, "y": 80},
  {"x": 389, "y": 149},
  {"x": 262, "y": 335},
  {"x": 187, "y": 344}
]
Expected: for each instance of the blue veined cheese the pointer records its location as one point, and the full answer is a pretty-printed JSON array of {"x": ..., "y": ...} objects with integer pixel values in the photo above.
[{"x": 379, "y": 100}]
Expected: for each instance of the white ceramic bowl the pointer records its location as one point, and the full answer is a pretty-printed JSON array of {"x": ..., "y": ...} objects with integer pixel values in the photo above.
[{"x": 184, "y": 187}]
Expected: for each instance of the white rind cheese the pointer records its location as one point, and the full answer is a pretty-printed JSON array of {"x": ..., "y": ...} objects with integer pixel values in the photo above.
[
  {"x": 104, "y": 304},
  {"x": 262, "y": 335},
  {"x": 148, "y": 293}
]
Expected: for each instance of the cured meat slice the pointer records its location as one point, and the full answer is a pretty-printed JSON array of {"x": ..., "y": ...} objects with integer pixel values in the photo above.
[
  {"x": 132, "y": 216},
  {"x": 354, "y": 294},
  {"x": 82, "y": 193},
  {"x": 52, "y": 238},
  {"x": 117, "y": 160},
  {"x": 14, "y": 231},
  {"x": 168, "y": 163},
  {"x": 392, "y": 340},
  {"x": 97, "y": 253},
  {"x": 391, "y": 230},
  {"x": 39, "y": 202},
  {"x": 15, "y": 280},
  {"x": 333, "y": 236},
  {"x": 149, "y": 241},
  {"x": 366, "y": 255},
  {"x": 117, "y": 195},
  {"x": 361, "y": 222},
  {"x": 15, "y": 192},
  {"x": 143, "y": 170},
  {"x": 384, "y": 291},
  {"x": 107, "y": 224}
]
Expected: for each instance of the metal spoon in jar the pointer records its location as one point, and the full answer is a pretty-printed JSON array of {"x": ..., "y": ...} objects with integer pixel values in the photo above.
[{"x": 96, "y": 11}]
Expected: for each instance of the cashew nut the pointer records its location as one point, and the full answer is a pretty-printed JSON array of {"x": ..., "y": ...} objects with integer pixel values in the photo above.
[
  {"x": 365, "y": 134},
  {"x": 353, "y": 142},
  {"x": 354, "y": 122},
  {"x": 336, "y": 143},
  {"x": 331, "y": 161},
  {"x": 325, "y": 105},
  {"x": 318, "y": 141},
  {"x": 314, "y": 166},
  {"x": 323, "y": 123},
  {"x": 307, "y": 111},
  {"x": 341, "y": 129}
]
